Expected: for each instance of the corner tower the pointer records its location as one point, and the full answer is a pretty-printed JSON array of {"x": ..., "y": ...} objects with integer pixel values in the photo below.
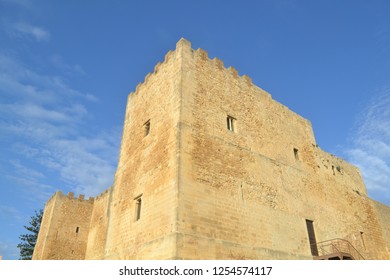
[
  {"x": 142, "y": 221},
  {"x": 64, "y": 229}
]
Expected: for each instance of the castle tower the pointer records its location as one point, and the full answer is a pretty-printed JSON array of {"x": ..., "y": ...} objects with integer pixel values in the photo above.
[
  {"x": 64, "y": 229},
  {"x": 211, "y": 167}
]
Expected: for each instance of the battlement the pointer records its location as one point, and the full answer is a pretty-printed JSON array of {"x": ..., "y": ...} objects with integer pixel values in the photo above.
[
  {"x": 70, "y": 195},
  {"x": 81, "y": 197},
  {"x": 184, "y": 45},
  {"x": 103, "y": 194},
  {"x": 203, "y": 54},
  {"x": 156, "y": 69}
]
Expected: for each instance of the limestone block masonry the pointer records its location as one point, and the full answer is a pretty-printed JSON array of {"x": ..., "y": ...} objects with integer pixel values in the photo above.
[{"x": 211, "y": 167}]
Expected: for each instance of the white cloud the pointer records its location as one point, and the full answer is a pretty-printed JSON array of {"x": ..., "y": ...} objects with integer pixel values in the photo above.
[
  {"x": 376, "y": 171},
  {"x": 47, "y": 120},
  {"x": 58, "y": 61},
  {"x": 23, "y": 29},
  {"x": 17, "y": 80},
  {"x": 370, "y": 149},
  {"x": 25, "y": 171},
  {"x": 37, "y": 112},
  {"x": 27, "y": 181},
  {"x": 33, "y": 189},
  {"x": 8, "y": 252},
  {"x": 21, "y": 3},
  {"x": 87, "y": 164},
  {"x": 10, "y": 212}
]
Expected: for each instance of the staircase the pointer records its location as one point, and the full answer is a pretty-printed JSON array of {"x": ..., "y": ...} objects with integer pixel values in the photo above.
[{"x": 336, "y": 249}]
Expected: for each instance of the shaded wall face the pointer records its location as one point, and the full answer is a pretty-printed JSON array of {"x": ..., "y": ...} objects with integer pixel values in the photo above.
[
  {"x": 98, "y": 227},
  {"x": 141, "y": 216},
  {"x": 247, "y": 192},
  {"x": 383, "y": 214},
  {"x": 44, "y": 231}
]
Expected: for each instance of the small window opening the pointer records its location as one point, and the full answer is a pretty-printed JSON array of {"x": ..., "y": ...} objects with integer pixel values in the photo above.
[
  {"x": 147, "y": 128},
  {"x": 361, "y": 236},
  {"x": 77, "y": 229},
  {"x": 296, "y": 154},
  {"x": 138, "y": 205},
  {"x": 230, "y": 123}
]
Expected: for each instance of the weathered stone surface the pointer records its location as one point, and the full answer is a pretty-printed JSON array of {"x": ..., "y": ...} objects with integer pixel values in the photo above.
[
  {"x": 65, "y": 228},
  {"x": 211, "y": 167}
]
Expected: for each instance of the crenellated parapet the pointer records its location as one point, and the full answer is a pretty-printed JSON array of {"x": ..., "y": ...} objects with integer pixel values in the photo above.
[
  {"x": 64, "y": 227},
  {"x": 104, "y": 194},
  {"x": 70, "y": 195},
  {"x": 81, "y": 197},
  {"x": 184, "y": 45},
  {"x": 156, "y": 69},
  {"x": 203, "y": 55}
]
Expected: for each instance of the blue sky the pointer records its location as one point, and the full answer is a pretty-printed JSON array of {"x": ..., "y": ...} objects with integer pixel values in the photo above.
[{"x": 66, "y": 68}]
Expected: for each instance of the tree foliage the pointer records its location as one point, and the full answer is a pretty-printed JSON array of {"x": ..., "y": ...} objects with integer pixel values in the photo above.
[{"x": 29, "y": 240}]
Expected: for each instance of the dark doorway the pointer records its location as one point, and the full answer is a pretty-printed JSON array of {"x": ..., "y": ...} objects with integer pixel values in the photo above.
[{"x": 312, "y": 238}]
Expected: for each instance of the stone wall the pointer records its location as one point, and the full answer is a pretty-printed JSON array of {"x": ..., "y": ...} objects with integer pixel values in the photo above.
[
  {"x": 247, "y": 193},
  {"x": 147, "y": 169},
  {"x": 65, "y": 228},
  {"x": 99, "y": 225},
  {"x": 211, "y": 167},
  {"x": 383, "y": 214}
]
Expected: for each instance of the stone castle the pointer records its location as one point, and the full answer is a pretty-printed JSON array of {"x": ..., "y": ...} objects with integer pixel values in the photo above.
[{"x": 211, "y": 167}]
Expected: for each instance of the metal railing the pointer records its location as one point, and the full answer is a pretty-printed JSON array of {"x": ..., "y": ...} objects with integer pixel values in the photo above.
[{"x": 337, "y": 247}]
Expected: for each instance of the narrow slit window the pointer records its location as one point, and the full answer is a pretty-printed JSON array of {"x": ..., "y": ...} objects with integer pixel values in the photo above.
[
  {"x": 312, "y": 238},
  {"x": 138, "y": 205},
  {"x": 230, "y": 123},
  {"x": 361, "y": 236},
  {"x": 77, "y": 230},
  {"x": 296, "y": 154},
  {"x": 147, "y": 128}
]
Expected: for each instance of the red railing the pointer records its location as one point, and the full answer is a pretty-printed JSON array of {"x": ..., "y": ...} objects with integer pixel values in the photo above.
[{"x": 337, "y": 247}]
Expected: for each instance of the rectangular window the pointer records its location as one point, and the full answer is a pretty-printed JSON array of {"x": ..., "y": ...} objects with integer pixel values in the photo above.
[
  {"x": 230, "y": 123},
  {"x": 361, "y": 236},
  {"x": 312, "y": 238},
  {"x": 147, "y": 128},
  {"x": 296, "y": 154},
  {"x": 77, "y": 230},
  {"x": 138, "y": 205}
]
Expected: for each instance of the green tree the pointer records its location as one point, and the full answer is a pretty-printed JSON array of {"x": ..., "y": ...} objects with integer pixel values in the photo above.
[{"x": 29, "y": 240}]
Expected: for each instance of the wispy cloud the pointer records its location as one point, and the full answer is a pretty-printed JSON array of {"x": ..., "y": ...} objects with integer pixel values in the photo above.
[
  {"x": 38, "y": 112},
  {"x": 23, "y": 29},
  {"x": 25, "y": 171},
  {"x": 47, "y": 120},
  {"x": 370, "y": 149},
  {"x": 20, "y": 81},
  {"x": 85, "y": 163},
  {"x": 20, "y": 3},
  {"x": 8, "y": 251},
  {"x": 59, "y": 62},
  {"x": 10, "y": 212}
]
